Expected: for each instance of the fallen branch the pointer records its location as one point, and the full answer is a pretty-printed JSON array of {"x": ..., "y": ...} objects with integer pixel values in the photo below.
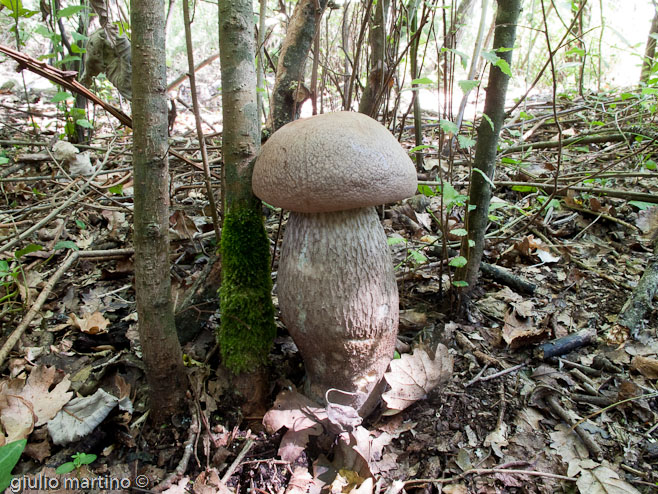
[
  {"x": 566, "y": 344},
  {"x": 486, "y": 471}
]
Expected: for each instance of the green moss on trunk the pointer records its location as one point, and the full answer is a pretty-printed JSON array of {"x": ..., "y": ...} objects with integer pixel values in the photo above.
[{"x": 247, "y": 329}]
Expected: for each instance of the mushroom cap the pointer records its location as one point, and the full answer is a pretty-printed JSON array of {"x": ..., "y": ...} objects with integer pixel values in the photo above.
[{"x": 333, "y": 162}]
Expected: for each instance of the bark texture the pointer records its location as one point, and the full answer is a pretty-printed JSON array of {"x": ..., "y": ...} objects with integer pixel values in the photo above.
[
  {"x": 289, "y": 91},
  {"x": 247, "y": 327},
  {"x": 378, "y": 70},
  {"x": 157, "y": 333},
  {"x": 487, "y": 142},
  {"x": 339, "y": 300}
]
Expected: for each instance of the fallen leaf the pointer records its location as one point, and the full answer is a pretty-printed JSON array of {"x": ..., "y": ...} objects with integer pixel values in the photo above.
[
  {"x": 301, "y": 416},
  {"x": 414, "y": 375},
  {"x": 603, "y": 480},
  {"x": 16, "y": 414},
  {"x": 648, "y": 367},
  {"x": 81, "y": 416},
  {"x": 521, "y": 331},
  {"x": 46, "y": 403},
  {"x": 299, "y": 482},
  {"x": 90, "y": 323}
]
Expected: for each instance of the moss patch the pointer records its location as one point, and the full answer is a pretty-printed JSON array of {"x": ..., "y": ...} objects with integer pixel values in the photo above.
[{"x": 247, "y": 328}]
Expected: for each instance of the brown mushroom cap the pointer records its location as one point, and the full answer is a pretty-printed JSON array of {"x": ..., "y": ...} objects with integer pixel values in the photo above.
[{"x": 333, "y": 162}]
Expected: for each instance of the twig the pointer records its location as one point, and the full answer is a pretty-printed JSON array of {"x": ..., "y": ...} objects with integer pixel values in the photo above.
[
  {"x": 492, "y": 376},
  {"x": 57, "y": 210},
  {"x": 70, "y": 259},
  {"x": 192, "y": 434},
  {"x": 485, "y": 471},
  {"x": 238, "y": 459}
]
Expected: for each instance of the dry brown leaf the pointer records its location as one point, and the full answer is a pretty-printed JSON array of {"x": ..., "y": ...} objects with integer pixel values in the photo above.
[
  {"x": 648, "y": 367},
  {"x": 90, "y": 323},
  {"x": 520, "y": 331},
  {"x": 601, "y": 479},
  {"x": 455, "y": 489},
  {"x": 16, "y": 415},
  {"x": 301, "y": 416},
  {"x": 414, "y": 375},
  {"x": 46, "y": 403}
]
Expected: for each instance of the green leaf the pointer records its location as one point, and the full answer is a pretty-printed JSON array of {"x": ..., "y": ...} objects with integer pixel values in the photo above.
[
  {"x": 13, "y": 5},
  {"x": 85, "y": 458},
  {"x": 66, "y": 244},
  {"x": 468, "y": 85},
  {"x": 9, "y": 456},
  {"x": 649, "y": 91},
  {"x": 462, "y": 56},
  {"x": 395, "y": 240},
  {"x": 459, "y": 232},
  {"x": 471, "y": 243},
  {"x": 524, "y": 188},
  {"x": 27, "y": 250},
  {"x": 465, "y": 142},
  {"x": 70, "y": 11},
  {"x": 421, "y": 147},
  {"x": 575, "y": 51},
  {"x": 83, "y": 122},
  {"x": 423, "y": 80},
  {"x": 76, "y": 49},
  {"x": 4, "y": 160},
  {"x": 458, "y": 262},
  {"x": 504, "y": 67},
  {"x": 418, "y": 256},
  {"x": 625, "y": 96},
  {"x": 116, "y": 190},
  {"x": 449, "y": 193},
  {"x": 448, "y": 127},
  {"x": 61, "y": 96},
  {"x": 490, "y": 57},
  {"x": 68, "y": 59},
  {"x": 80, "y": 224},
  {"x": 486, "y": 117},
  {"x": 67, "y": 467},
  {"x": 426, "y": 190},
  {"x": 648, "y": 164},
  {"x": 525, "y": 115},
  {"x": 460, "y": 284},
  {"x": 484, "y": 176},
  {"x": 78, "y": 36},
  {"x": 641, "y": 204}
]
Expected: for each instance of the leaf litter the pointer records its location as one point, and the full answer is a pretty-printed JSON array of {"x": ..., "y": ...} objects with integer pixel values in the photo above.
[{"x": 468, "y": 413}]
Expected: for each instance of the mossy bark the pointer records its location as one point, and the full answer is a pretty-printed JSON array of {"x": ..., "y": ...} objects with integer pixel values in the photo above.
[{"x": 247, "y": 329}]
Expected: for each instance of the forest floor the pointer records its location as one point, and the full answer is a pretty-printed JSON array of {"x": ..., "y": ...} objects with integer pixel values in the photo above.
[{"x": 506, "y": 418}]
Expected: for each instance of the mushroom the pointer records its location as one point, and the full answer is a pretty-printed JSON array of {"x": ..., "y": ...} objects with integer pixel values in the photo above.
[{"x": 336, "y": 285}]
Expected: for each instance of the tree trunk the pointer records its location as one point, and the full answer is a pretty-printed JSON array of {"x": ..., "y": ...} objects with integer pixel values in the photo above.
[
  {"x": 378, "y": 70},
  {"x": 247, "y": 326},
  {"x": 650, "y": 50},
  {"x": 289, "y": 91},
  {"x": 487, "y": 142},
  {"x": 157, "y": 333}
]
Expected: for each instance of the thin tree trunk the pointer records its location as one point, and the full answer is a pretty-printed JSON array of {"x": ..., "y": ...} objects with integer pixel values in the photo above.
[
  {"x": 378, "y": 61},
  {"x": 650, "y": 50},
  {"x": 415, "y": 73},
  {"x": 247, "y": 326},
  {"x": 157, "y": 333},
  {"x": 288, "y": 90},
  {"x": 487, "y": 142}
]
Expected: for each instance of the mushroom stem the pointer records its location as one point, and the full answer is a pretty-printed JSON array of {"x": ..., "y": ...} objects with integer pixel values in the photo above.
[{"x": 339, "y": 299}]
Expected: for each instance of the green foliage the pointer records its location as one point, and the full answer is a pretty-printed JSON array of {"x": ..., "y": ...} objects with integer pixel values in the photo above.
[
  {"x": 79, "y": 459},
  {"x": 247, "y": 327},
  {"x": 9, "y": 456},
  {"x": 458, "y": 262}
]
